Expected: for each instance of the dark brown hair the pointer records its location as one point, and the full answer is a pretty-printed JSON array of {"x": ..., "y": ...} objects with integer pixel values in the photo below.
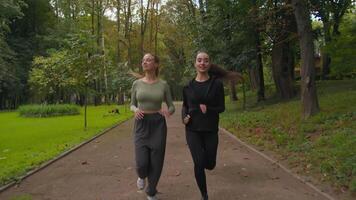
[{"x": 222, "y": 73}]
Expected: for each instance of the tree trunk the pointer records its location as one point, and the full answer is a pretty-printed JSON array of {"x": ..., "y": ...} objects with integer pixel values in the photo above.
[
  {"x": 233, "y": 94},
  {"x": 282, "y": 69},
  {"x": 128, "y": 32},
  {"x": 143, "y": 26},
  {"x": 152, "y": 12},
  {"x": 156, "y": 33},
  {"x": 93, "y": 18},
  {"x": 326, "y": 60},
  {"x": 259, "y": 69},
  {"x": 100, "y": 41},
  {"x": 202, "y": 9},
  {"x": 118, "y": 8},
  {"x": 259, "y": 64},
  {"x": 142, "y": 32},
  {"x": 310, "y": 105},
  {"x": 252, "y": 74},
  {"x": 56, "y": 8}
]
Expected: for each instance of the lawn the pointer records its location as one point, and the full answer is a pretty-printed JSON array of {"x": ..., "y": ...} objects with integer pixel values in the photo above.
[
  {"x": 25, "y": 143},
  {"x": 323, "y": 146}
]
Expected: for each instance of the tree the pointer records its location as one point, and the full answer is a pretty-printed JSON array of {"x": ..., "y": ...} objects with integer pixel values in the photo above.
[
  {"x": 256, "y": 73},
  {"x": 10, "y": 82},
  {"x": 342, "y": 49},
  {"x": 51, "y": 78},
  {"x": 330, "y": 13},
  {"x": 128, "y": 28},
  {"x": 280, "y": 36},
  {"x": 143, "y": 25},
  {"x": 310, "y": 104}
]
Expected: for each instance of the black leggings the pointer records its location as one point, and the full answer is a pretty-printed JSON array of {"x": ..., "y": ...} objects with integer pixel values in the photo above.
[{"x": 203, "y": 147}]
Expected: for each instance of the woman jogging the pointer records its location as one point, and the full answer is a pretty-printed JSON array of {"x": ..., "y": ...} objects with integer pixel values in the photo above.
[
  {"x": 203, "y": 100},
  {"x": 150, "y": 129}
]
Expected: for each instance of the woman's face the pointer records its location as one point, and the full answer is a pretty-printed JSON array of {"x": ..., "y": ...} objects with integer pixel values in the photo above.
[
  {"x": 202, "y": 62},
  {"x": 148, "y": 63}
]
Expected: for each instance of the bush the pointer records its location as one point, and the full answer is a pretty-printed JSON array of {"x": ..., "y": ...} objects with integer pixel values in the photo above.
[{"x": 48, "y": 110}]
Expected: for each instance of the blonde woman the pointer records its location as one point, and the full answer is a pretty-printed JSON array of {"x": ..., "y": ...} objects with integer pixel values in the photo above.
[{"x": 150, "y": 129}]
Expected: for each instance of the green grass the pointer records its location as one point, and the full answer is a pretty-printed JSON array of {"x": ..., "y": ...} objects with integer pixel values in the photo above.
[
  {"x": 324, "y": 145},
  {"x": 27, "y": 142},
  {"x": 44, "y": 110},
  {"x": 22, "y": 197}
]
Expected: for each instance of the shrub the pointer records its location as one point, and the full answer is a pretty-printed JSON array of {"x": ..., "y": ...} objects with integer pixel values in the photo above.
[{"x": 44, "y": 110}]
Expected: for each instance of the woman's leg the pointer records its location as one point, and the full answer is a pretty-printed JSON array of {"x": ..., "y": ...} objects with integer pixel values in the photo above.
[
  {"x": 211, "y": 140},
  {"x": 142, "y": 155},
  {"x": 157, "y": 144},
  {"x": 196, "y": 147}
]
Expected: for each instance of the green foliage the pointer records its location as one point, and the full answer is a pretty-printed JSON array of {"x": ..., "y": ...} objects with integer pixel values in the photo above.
[
  {"x": 48, "y": 110},
  {"x": 9, "y": 10},
  {"x": 25, "y": 143},
  {"x": 353, "y": 184},
  {"x": 28, "y": 23},
  {"x": 52, "y": 75},
  {"x": 342, "y": 49},
  {"x": 9, "y": 80},
  {"x": 227, "y": 33},
  {"x": 335, "y": 153},
  {"x": 120, "y": 80},
  {"x": 68, "y": 70},
  {"x": 279, "y": 136}
]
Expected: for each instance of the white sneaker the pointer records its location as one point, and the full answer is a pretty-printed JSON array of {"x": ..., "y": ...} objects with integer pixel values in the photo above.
[
  {"x": 152, "y": 197},
  {"x": 140, "y": 183}
]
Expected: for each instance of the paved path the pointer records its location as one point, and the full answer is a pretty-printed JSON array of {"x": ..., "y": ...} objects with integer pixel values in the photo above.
[{"x": 104, "y": 170}]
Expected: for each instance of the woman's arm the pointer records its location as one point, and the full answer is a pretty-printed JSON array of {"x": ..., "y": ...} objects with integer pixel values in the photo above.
[
  {"x": 168, "y": 99},
  {"x": 133, "y": 103},
  {"x": 185, "y": 107}
]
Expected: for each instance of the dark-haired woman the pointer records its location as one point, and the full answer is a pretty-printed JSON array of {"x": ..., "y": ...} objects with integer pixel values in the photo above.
[
  {"x": 150, "y": 129},
  {"x": 203, "y": 100}
]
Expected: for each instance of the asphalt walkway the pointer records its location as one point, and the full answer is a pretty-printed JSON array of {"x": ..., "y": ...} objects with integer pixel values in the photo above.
[{"x": 104, "y": 170}]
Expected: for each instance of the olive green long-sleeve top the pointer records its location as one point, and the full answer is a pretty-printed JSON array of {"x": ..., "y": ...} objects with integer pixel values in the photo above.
[{"x": 149, "y": 96}]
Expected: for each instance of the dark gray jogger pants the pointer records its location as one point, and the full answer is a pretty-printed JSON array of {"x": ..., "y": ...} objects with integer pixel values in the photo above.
[{"x": 150, "y": 135}]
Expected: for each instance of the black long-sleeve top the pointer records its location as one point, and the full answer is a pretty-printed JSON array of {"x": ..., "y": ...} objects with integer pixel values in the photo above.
[{"x": 195, "y": 93}]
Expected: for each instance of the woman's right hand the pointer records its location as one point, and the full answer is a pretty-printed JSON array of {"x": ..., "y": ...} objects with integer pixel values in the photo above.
[
  {"x": 139, "y": 114},
  {"x": 186, "y": 119}
]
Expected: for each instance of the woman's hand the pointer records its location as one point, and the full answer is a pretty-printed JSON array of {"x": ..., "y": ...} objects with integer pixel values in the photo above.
[
  {"x": 186, "y": 119},
  {"x": 164, "y": 112},
  {"x": 139, "y": 114},
  {"x": 203, "y": 108}
]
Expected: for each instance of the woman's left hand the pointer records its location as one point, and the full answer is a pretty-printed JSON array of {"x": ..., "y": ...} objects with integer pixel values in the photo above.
[
  {"x": 164, "y": 112},
  {"x": 203, "y": 108}
]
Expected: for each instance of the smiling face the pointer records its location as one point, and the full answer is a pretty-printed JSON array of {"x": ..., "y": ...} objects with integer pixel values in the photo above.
[
  {"x": 202, "y": 62},
  {"x": 148, "y": 63}
]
